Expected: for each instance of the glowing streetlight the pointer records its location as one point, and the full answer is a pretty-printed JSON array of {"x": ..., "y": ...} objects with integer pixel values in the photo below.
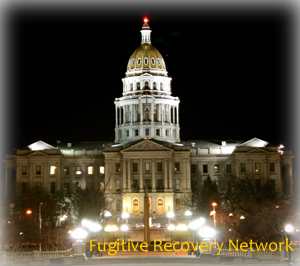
[
  {"x": 289, "y": 229},
  {"x": 181, "y": 227},
  {"x": 124, "y": 228},
  {"x": 93, "y": 227},
  {"x": 214, "y": 214},
  {"x": 242, "y": 217},
  {"x": 29, "y": 212},
  {"x": 171, "y": 227},
  {"x": 127, "y": 205},
  {"x": 188, "y": 213},
  {"x": 207, "y": 232},
  {"x": 170, "y": 215},
  {"x": 79, "y": 234},
  {"x": 107, "y": 214},
  {"x": 169, "y": 204}
]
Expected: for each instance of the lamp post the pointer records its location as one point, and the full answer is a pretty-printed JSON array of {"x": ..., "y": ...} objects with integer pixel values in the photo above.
[
  {"x": 188, "y": 215},
  {"x": 125, "y": 216},
  {"x": 124, "y": 228},
  {"x": 196, "y": 224},
  {"x": 181, "y": 227},
  {"x": 40, "y": 219},
  {"x": 106, "y": 214},
  {"x": 289, "y": 229},
  {"x": 214, "y": 214},
  {"x": 170, "y": 215},
  {"x": 171, "y": 227},
  {"x": 111, "y": 228}
]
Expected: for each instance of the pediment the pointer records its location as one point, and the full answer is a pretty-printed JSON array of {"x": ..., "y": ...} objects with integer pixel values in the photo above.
[
  {"x": 147, "y": 145},
  {"x": 38, "y": 153},
  {"x": 257, "y": 150},
  {"x": 40, "y": 145},
  {"x": 255, "y": 142}
]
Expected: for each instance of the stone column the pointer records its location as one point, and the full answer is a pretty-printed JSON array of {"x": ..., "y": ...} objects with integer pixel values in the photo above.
[
  {"x": 124, "y": 112},
  {"x": 141, "y": 112},
  {"x": 170, "y": 174},
  {"x": 162, "y": 114},
  {"x": 184, "y": 183},
  {"x": 58, "y": 179},
  {"x": 153, "y": 175},
  {"x": 129, "y": 174},
  {"x": 124, "y": 174},
  {"x": 177, "y": 115},
  {"x": 141, "y": 176},
  {"x": 166, "y": 174},
  {"x": 116, "y": 115},
  {"x": 131, "y": 114},
  {"x": 173, "y": 108}
]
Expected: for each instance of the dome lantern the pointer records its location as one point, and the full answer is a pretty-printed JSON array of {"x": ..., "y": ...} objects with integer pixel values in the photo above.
[{"x": 146, "y": 32}]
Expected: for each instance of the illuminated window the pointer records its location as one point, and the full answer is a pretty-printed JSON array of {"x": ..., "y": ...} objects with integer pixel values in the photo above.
[
  {"x": 217, "y": 168},
  {"x": 118, "y": 187},
  {"x": 66, "y": 170},
  {"x": 228, "y": 168},
  {"x": 38, "y": 186},
  {"x": 52, "y": 170},
  {"x": 177, "y": 204},
  {"x": 118, "y": 167},
  {"x": 205, "y": 168},
  {"x": 24, "y": 170},
  {"x": 66, "y": 187},
  {"x": 257, "y": 167},
  {"x": 90, "y": 170},
  {"x": 101, "y": 170},
  {"x": 38, "y": 169},
  {"x": 147, "y": 167},
  {"x": 159, "y": 167},
  {"x": 157, "y": 132},
  {"x": 78, "y": 170},
  {"x": 243, "y": 168},
  {"x": 146, "y": 61},
  {"x": 158, "y": 61},
  {"x": 152, "y": 61},
  {"x": 160, "y": 207},
  {"x": 177, "y": 167},
  {"x": 272, "y": 167},
  {"x": 134, "y": 167},
  {"x": 135, "y": 206},
  {"x": 177, "y": 185},
  {"x": 52, "y": 187},
  {"x": 139, "y": 61},
  {"x": 193, "y": 168}
]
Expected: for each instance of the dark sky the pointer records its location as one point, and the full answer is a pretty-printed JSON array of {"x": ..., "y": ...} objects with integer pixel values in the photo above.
[{"x": 229, "y": 69}]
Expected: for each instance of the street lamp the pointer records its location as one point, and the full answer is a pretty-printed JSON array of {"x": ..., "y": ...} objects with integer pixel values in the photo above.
[
  {"x": 111, "y": 228},
  {"x": 170, "y": 215},
  {"x": 214, "y": 214},
  {"x": 169, "y": 204},
  {"x": 196, "y": 224},
  {"x": 207, "y": 232},
  {"x": 171, "y": 227},
  {"x": 289, "y": 229},
  {"x": 181, "y": 227},
  {"x": 93, "y": 227},
  {"x": 124, "y": 228},
  {"x": 125, "y": 215},
  {"x": 127, "y": 205}
]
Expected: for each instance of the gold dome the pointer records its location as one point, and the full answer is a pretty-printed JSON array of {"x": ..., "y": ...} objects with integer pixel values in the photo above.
[{"x": 146, "y": 59}]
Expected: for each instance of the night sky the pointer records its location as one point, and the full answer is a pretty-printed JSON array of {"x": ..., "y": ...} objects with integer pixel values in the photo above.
[{"x": 229, "y": 69}]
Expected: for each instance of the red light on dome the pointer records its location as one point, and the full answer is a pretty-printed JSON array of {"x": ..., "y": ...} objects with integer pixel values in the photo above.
[{"x": 146, "y": 20}]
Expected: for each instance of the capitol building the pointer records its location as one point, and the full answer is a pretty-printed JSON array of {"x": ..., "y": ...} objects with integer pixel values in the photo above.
[{"x": 147, "y": 152}]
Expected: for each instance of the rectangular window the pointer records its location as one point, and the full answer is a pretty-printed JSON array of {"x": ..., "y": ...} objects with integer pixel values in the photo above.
[
  {"x": 135, "y": 184},
  {"x": 101, "y": 170},
  {"x": 160, "y": 184},
  {"x": 66, "y": 170},
  {"x": 66, "y": 187},
  {"x": 118, "y": 205},
  {"x": 272, "y": 183},
  {"x": 147, "y": 132},
  {"x": 217, "y": 168},
  {"x": 205, "y": 168},
  {"x": 24, "y": 170},
  {"x": 167, "y": 133},
  {"x": 90, "y": 170},
  {"x": 243, "y": 167},
  {"x": 118, "y": 167},
  {"x": 134, "y": 167},
  {"x": 147, "y": 182},
  {"x": 147, "y": 167},
  {"x": 159, "y": 167},
  {"x": 24, "y": 187},
  {"x": 177, "y": 204},
  {"x": 127, "y": 133},
  {"x": 177, "y": 167},
  {"x": 228, "y": 168},
  {"x": 177, "y": 186},
  {"x": 89, "y": 185},
  {"x": 38, "y": 186},
  {"x": 52, "y": 187},
  {"x": 136, "y": 132},
  {"x": 78, "y": 170},
  {"x": 193, "y": 169},
  {"x": 258, "y": 184},
  {"x": 157, "y": 132},
  {"x": 257, "y": 167},
  {"x": 38, "y": 170},
  {"x": 272, "y": 167},
  {"x": 118, "y": 187},
  {"x": 52, "y": 170}
]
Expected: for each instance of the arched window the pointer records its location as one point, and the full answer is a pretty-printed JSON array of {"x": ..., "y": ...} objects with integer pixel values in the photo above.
[
  {"x": 154, "y": 85},
  {"x": 131, "y": 87},
  {"x": 133, "y": 62},
  {"x": 146, "y": 61},
  {"x": 146, "y": 86},
  {"x": 160, "y": 206},
  {"x": 158, "y": 61},
  {"x": 139, "y": 61},
  {"x": 135, "y": 206},
  {"x": 138, "y": 86},
  {"x": 153, "y": 61}
]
